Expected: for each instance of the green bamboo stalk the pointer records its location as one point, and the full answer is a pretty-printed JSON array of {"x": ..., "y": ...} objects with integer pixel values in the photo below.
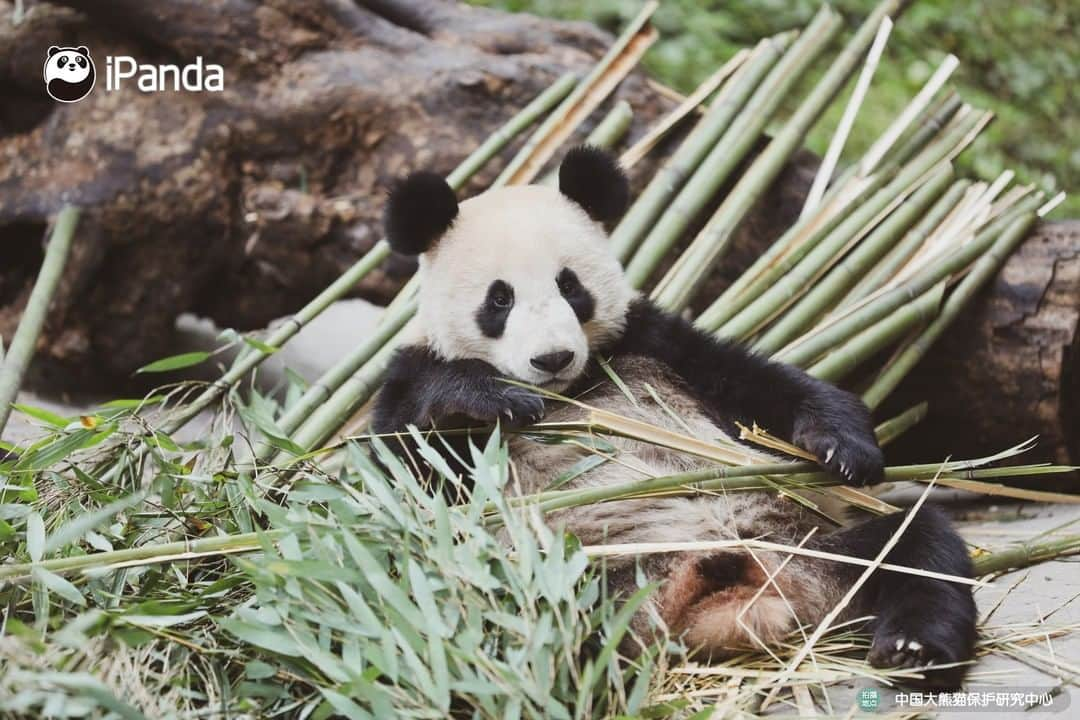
[
  {"x": 607, "y": 134},
  {"x": 772, "y": 294},
  {"x": 906, "y": 248},
  {"x": 986, "y": 268},
  {"x": 805, "y": 234},
  {"x": 739, "y": 138},
  {"x": 346, "y": 400},
  {"x": 156, "y": 552},
  {"x": 823, "y": 340},
  {"x": 824, "y": 293},
  {"x": 681, "y": 165},
  {"x": 609, "y": 131},
  {"x": 780, "y": 258},
  {"x": 17, "y": 359},
  {"x": 1017, "y": 556},
  {"x": 933, "y": 121},
  {"x": 682, "y": 281},
  {"x": 495, "y": 142},
  {"x": 337, "y": 375},
  {"x": 766, "y": 477},
  {"x": 862, "y": 346},
  {"x": 1024, "y": 554},
  {"x": 517, "y": 170},
  {"x": 894, "y": 427}
]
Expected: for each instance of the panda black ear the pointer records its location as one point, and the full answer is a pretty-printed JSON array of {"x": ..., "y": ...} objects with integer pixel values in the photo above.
[
  {"x": 83, "y": 50},
  {"x": 53, "y": 50},
  {"x": 593, "y": 179},
  {"x": 420, "y": 209}
]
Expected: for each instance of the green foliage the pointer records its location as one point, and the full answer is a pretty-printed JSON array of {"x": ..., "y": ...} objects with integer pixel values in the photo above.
[
  {"x": 371, "y": 597},
  {"x": 1021, "y": 60}
]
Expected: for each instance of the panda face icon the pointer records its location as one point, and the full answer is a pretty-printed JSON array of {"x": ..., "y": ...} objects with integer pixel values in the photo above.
[{"x": 69, "y": 73}]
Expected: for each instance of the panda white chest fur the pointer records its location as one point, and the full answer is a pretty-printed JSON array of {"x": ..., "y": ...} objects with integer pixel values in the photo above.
[{"x": 520, "y": 284}]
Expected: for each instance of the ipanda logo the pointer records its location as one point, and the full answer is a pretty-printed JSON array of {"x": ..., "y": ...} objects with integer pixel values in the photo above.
[{"x": 70, "y": 74}]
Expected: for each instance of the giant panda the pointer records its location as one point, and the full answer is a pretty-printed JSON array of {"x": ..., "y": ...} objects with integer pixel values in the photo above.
[{"x": 519, "y": 283}]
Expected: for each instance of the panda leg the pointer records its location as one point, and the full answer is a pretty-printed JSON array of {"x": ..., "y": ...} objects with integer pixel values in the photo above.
[
  {"x": 729, "y": 601},
  {"x": 918, "y": 621}
]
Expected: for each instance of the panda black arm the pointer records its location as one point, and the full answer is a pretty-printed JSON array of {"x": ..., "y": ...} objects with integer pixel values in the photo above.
[
  {"x": 735, "y": 384},
  {"x": 425, "y": 390}
]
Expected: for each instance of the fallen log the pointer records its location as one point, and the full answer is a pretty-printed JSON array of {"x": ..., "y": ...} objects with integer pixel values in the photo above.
[{"x": 1009, "y": 368}]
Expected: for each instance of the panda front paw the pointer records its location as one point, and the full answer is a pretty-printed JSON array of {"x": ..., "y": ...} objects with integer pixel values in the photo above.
[
  {"x": 854, "y": 458},
  {"x": 510, "y": 406}
]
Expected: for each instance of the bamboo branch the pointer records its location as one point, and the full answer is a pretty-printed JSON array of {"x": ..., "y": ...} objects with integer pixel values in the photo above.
[
  {"x": 825, "y": 291},
  {"x": 704, "y": 156},
  {"x": 682, "y": 281},
  {"x": 844, "y": 359},
  {"x": 672, "y": 174},
  {"x": 986, "y": 267},
  {"x": 693, "y": 101},
  {"x": 586, "y": 97},
  {"x": 847, "y": 120},
  {"x": 17, "y": 359}
]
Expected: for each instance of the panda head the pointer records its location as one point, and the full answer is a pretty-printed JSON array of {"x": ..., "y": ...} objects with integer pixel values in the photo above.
[
  {"x": 520, "y": 277},
  {"x": 69, "y": 73}
]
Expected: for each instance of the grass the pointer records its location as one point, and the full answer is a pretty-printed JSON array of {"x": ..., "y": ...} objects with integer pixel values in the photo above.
[{"x": 267, "y": 566}]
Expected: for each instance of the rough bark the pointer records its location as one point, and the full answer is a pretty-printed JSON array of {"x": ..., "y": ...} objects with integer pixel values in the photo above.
[
  {"x": 1009, "y": 368},
  {"x": 242, "y": 205}
]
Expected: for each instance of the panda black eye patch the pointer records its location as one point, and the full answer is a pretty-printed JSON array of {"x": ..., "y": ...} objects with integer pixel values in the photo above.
[
  {"x": 580, "y": 300},
  {"x": 491, "y": 316}
]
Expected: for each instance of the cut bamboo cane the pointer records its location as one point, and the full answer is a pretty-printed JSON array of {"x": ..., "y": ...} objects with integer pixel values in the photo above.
[
  {"x": 847, "y": 120},
  {"x": 692, "y": 102},
  {"x": 502, "y": 137},
  {"x": 18, "y": 356},
  {"x": 837, "y": 364},
  {"x": 906, "y": 248},
  {"x": 894, "y": 427},
  {"x": 958, "y": 229},
  {"x": 682, "y": 281},
  {"x": 1024, "y": 554},
  {"x": 934, "y": 120},
  {"x": 336, "y": 410},
  {"x": 782, "y": 255},
  {"x": 877, "y": 151},
  {"x": 693, "y": 150},
  {"x": 986, "y": 267},
  {"x": 823, "y": 340},
  {"x": 607, "y": 134},
  {"x": 739, "y": 138},
  {"x": 773, "y": 294},
  {"x": 825, "y": 292},
  {"x": 333, "y": 379},
  {"x": 586, "y": 97}
]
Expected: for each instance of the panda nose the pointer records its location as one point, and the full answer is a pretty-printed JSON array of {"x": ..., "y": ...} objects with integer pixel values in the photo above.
[{"x": 553, "y": 362}]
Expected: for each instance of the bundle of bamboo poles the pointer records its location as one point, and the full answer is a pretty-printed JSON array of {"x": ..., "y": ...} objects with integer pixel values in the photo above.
[{"x": 885, "y": 254}]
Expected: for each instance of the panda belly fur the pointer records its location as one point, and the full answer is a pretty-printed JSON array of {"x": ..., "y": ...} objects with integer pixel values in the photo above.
[{"x": 717, "y": 601}]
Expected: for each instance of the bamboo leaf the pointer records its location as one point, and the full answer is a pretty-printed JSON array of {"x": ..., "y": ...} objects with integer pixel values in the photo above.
[{"x": 175, "y": 362}]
